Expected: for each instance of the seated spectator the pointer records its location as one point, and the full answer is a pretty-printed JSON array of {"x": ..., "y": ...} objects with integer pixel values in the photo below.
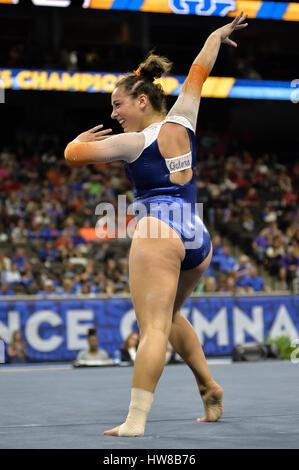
[
  {"x": 88, "y": 289},
  {"x": 20, "y": 259},
  {"x": 48, "y": 253},
  {"x": 5, "y": 289},
  {"x": 273, "y": 255},
  {"x": 12, "y": 276},
  {"x": 124, "y": 265},
  {"x": 241, "y": 270},
  {"x": 129, "y": 348},
  {"x": 5, "y": 262},
  {"x": 103, "y": 252},
  {"x": 100, "y": 282},
  {"x": 210, "y": 284},
  {"x": 69, "y": 270},
  {"x": 218, "y": 249},
  {"x": 110, "y": 287},
  {"x": 295, "y": 245},
  {"x": 111, "y": 269},
  {"x": 252, "y": 197},
  {"x": 259, "y": 246},
  {"x": 271, "y": 231},
  {"x": 93, "y": 353},
  {"x": 248, "y": 222},
  {"x": 34, "y": 231},
  {"x": 77, "y": 238},
  {"x": 230, "y": 285},
  {"x": 67, "y": 287},
  {"x": 27, "y": 277},
  {"x": 19, "y": 233},
  {"x": 48, "y": 289},
  {"x": 121, "y": 282},
  {"x": 63, "y": 241},
  {"x": 68, "y": 250},
  {"x": 289, "y": 266},
  {"x": 3, "y": 234},
  {"x": 51, "y": 232},
  {"x": 254, "y": 283},
  {"x": 226, "y": 261},
  {"x": 70, "y": 227},
  {"x": 17, "y": 351}
]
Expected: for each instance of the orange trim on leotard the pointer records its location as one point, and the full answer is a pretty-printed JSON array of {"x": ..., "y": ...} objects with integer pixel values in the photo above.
[
  {"x": 195, "y": 80},
  {"x": 203, "y": 68},
  {"x": 81, "y": 152}
]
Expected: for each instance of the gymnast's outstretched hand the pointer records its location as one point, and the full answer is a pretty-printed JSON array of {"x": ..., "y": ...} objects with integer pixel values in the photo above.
[
  {"x": 94, "y": 134},
  {"x": 227, "y": 30}
]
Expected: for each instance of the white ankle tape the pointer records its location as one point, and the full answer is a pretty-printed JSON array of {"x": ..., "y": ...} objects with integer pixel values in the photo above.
[{"x": 141, "y": 401}]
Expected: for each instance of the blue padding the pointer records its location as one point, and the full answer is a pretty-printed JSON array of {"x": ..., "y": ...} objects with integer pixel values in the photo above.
[
  {"x": 279, "y": 10},
  {"x": 263, "y": 93},
  {"x": 120, "y": 5},
  {"x": 135, "y": 5},
  {"x": 266, "y": 10}
]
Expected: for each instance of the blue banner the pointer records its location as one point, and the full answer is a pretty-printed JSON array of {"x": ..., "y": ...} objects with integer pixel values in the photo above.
[
  {"x": 105, "y": 82},
  {"x": 56, "y": 330}
]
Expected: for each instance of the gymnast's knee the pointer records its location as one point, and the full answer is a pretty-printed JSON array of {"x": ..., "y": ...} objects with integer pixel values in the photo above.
[{"x": 150, "y": 331}]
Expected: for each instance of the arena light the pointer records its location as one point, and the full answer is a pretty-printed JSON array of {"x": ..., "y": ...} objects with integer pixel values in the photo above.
[
  {"x": 52, "y": 3},
  {"x": 92, "y": 82},
  {"x": 44, "y": 3}
]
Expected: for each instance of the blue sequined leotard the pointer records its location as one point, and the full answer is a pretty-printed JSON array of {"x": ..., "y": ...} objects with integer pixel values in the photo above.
[{"x": 159, "y": 197}]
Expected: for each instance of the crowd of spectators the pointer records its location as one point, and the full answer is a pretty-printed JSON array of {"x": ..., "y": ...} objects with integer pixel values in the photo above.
[
  {"x": 49, "y": 245},
  {"x": 253, "y": 203},
  {"x": 230, "y": 275}
]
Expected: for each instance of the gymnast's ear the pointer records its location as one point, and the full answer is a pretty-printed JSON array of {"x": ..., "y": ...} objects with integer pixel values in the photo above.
[{"x": 143, "y": 100}]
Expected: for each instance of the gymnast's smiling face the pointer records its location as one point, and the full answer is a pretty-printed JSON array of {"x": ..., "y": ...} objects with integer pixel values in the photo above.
[{"x": 129, "y": 111}]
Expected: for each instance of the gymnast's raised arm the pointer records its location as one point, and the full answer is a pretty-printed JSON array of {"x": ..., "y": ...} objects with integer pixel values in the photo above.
[
  {"x": 187, "y": 104},
  {"x": 95, "y": 146}
]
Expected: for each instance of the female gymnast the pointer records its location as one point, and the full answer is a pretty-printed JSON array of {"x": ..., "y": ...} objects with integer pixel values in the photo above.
[{"x": 158, "y": 149}]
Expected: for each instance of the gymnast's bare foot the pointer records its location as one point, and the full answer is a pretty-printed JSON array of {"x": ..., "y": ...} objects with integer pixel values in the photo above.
[
  {"x": 112, "y": 432},
  {"x": 212, "y": 402}
]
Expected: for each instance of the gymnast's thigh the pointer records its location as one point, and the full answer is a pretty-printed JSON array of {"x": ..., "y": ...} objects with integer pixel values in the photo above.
[
  {"x": 189, "y": 280},
  {"x": 154, "y": 267}
]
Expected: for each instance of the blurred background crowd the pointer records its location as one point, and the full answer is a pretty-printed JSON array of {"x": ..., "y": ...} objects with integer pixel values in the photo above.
[
  {"x": 248, "y": 166},
  {"x": 49, "y": 246}
]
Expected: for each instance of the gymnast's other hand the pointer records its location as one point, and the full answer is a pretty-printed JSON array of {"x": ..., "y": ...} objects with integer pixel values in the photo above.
[
  {"x": 94, "y": 134},
  {"x": 227, "y": 30}
]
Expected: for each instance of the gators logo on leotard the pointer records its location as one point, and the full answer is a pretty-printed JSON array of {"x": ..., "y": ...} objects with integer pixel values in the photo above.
[{"x": 202, "y": 7}]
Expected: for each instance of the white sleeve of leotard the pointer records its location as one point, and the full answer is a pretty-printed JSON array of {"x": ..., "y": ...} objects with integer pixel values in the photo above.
[
  {"x": 184, "y": 112},
  {"x": 187, "y": 105},
  {"x": 125, "y": 147}
]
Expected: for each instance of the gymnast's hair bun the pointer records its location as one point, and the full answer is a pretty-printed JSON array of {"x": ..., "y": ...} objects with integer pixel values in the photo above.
[{"x": 154, "y": 67}]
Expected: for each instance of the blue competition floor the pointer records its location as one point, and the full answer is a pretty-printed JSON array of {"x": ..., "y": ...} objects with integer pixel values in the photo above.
[{"x": 58, "y": 407}]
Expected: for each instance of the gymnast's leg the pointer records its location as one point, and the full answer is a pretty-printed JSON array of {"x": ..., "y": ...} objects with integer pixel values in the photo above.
[
  {"x": 154, "y": 266},
  {"x": 185, "y": 341}
]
